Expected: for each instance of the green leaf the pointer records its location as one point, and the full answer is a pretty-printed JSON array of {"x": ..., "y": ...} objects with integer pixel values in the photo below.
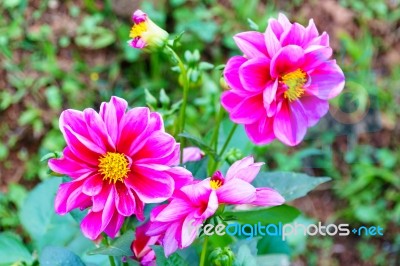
[
  {"x": 58, "y": 256},
  {"x": 199, "y": 143},
  {"x": 245, "y": 257},
  {"x": 274, "y": 260},
  {"x": 45, "y": 227},
  {"x": 172, "y": 260},
  {"x": 273, "y": 215},
  {"x": 198, "y": 168},
  {"x": 12, "y": 249},
  {"x": 120, "y": 247},
  {"x": 290, "y": 185}
]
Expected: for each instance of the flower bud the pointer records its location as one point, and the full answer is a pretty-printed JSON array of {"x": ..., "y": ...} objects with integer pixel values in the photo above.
[
  {"x": 233, "y": 155},
  {"x": 145, "y": 33},
  {"x": 222, "y": 257}
]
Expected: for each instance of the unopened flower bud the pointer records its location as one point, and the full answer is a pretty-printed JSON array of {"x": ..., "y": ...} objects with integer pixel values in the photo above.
[
  {"x": 145, "y": 33},
  {"x": 222, "y": 257}
]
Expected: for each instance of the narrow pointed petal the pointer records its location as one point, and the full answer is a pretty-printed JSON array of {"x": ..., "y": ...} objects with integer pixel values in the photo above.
[
  {"x": 267, "y": 197},
  {"x": 236, "y": 191},
  {"x": 314, "y": 108},
  {"x": 254, "y": 74},
  {"x": 124, "y": 200},
  {"x": 288, "y": 59},
  {"x": 249, "y": 110},
  {"x": 261, "y": 132},
  {"x": 251, "y": 43},
  {"x": 271, "y": 41},
  {"x": 290, "y": 124},
  {"x": 231, "y": 72},
  {"x": 93, "y": 185}
]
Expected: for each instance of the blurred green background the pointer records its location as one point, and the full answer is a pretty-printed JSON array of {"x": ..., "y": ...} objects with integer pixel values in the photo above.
[{"x": 73, "y": 54}]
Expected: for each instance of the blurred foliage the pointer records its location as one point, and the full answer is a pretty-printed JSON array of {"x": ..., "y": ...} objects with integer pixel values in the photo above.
[{"x": 73, "y": 54}]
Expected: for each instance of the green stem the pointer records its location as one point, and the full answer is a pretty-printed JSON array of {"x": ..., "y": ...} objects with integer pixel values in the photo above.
[
  {"x": 107, "y": 243},
  {"x": 228, "y": 139},
  {"x": 214, "y": 138},
  {"x": 203, "y": 251},
  {"x": 182, "y": 116},
  {"x": 214, "y": 164},
  {"x": 111, "y": 259}
]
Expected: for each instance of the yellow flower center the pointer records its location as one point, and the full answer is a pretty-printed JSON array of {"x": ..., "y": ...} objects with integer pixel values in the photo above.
[
  {"x": 294, "y": 81},
  {"x": 214, "y": 184},
  {"x": 138, "y": 29},
  {"x": 114, "y": 167}
]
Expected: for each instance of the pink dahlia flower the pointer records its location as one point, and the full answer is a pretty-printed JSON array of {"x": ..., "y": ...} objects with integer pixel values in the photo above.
[
  {"x": 145, "y": 32},
  {"x": 282, "y": 84},
  {"x": 118, "y": 160},
  {"x": 192, "y": 154},
  {"x": 177, "y": 222}
]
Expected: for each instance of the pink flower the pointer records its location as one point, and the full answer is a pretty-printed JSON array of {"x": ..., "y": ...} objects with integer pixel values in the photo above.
[
  {"x": 141, "y": 246},
  {"x": 118, "y": 160},
  {"x": 192, "y": 154},
  {"x": 282, "y": 84},
  {"x": 177, "y": 222},
  {"x": 145, "y": 32}
]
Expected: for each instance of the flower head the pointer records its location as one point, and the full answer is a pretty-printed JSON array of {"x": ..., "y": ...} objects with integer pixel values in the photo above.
[
  {"x": 118, "y": 160},
  {"x": 176, "y": 222},
  {"x": 141, "y": 246},
  {"x": 145, "y": 33},
  {"x": 282, "y": 84}
]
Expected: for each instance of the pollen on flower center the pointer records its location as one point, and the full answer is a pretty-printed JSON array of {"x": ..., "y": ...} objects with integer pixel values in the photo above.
[
  {"x": 294, "y": 81},
  {"x": 114, "y": 167},
  {"x": 217, "y": 180},
  {"x": 138, "y": 29}
]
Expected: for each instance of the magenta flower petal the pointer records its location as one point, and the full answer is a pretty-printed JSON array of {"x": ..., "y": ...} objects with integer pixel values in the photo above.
[
  {"x": 288, "y": 59},
  {"x": 63, "y": 194},
  {"x": 99, "y": 200},
  {"x": 124, "y": 200},
  {"x": 237, "y": 166},
  {"x": 314, "y": 108},
  {"x": 271, "y": 39},
  {"x": 112, "y": 114},
  {"x": 174, "y": 210},
  {"x": 249, "y": 110},
  {"x": 230, "y": 100},
  {"x": 316, "y": 55},
  {"x": 254, "y": 74},
  {"x": 90, "y": 226},
  {"x": 251, "y": 43},
  {"x": 327, "y": 81},
  {"x": 93, "y": 185},
  {"x": 311, "y": 32},
  {"x": 115, "y": 224},
  {"x": 151, "y": 186},
  {"x": 139, "y": 16},
  {"x": 133, "y": 130},
  {"x": 189, "y": 231},
  {"x": 198, "y": 192},
  {"x": 290, "y": 124},
  {"x": 97, "y": 130},
  {"x": 284, "y": 21},
  {"x": 231, "y": 72},
  {"x": 170, "y": 241},
  {"x": 192, "y": 154},
  {"x": 158, "y": 145},
  {"x": 267, "y": 197},
  {"x": 236, "y": 191},
  {"x": 261, "y": 132},
  {"x": 295, "y": 35},
  {"x": 269, "y": 93},
  {"x": 77, "y": 145},
  {"x": 69, "y": 167}
]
